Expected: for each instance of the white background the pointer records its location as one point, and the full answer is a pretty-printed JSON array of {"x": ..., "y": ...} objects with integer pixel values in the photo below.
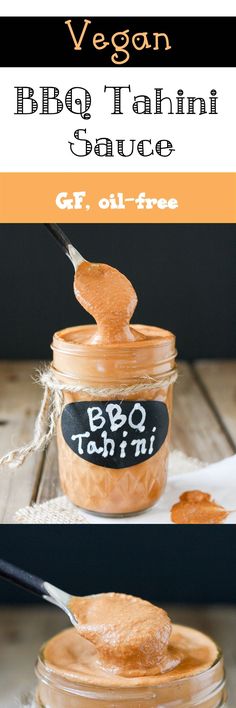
[
  {"x": 40, "y": 142},
  {"x": 122, "y": 8}
]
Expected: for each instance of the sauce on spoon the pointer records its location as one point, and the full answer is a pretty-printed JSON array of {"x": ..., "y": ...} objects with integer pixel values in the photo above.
[
  {"x": 110, "y": 298},
  {"x": 130, "y": 635},
  {"x": 123, "y": 640}
]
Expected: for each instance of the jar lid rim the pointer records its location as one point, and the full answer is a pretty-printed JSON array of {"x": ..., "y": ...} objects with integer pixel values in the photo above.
[
  {"x": 159, "y": 338},
  {"x": 69, "y": 683}
]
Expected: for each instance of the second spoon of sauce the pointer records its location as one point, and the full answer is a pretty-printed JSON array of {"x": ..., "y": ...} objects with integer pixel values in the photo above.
[{"x": 131, "y": 635}]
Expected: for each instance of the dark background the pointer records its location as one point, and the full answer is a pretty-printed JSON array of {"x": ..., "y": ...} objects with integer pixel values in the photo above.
[
  {"x": 162, "y": 564},
  {"x": 195, "y": 41},
  {"x": 184, "y": 275}
]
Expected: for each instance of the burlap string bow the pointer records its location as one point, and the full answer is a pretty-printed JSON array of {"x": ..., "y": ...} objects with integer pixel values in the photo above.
[{"x": 53, "y": 401}]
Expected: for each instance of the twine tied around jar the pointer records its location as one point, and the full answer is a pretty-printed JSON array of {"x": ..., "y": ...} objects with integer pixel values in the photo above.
[{"x": 52, "y": 406}]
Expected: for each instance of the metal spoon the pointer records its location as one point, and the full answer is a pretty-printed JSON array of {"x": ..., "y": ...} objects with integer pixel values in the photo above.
[
  {"x": 70, "y": 251},
  {"x": 48, "y": 592}
]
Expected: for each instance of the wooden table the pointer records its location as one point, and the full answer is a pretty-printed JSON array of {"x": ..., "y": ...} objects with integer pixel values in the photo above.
[
  {"x": 23, "y": 630},
  {"x": 204, "y": 426}
]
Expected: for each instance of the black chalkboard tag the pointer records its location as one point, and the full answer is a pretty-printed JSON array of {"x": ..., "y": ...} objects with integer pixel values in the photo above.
[{"x": 115, "y": 434}]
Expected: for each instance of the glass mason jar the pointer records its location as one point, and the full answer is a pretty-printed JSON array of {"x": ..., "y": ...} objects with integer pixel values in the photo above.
[
  {"x": 204, "y": 690},
  {"x": 113, "y": 435}
]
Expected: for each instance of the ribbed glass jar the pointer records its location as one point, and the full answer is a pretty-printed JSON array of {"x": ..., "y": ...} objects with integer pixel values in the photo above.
[
  {"x": 205, "y": 690},
  {"x": 142, "y": 371}
]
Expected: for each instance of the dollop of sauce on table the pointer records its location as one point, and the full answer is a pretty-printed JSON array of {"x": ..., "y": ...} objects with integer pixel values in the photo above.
[
  {"x": 196, "y": 507},
  {"x": 110, "y": 298}
]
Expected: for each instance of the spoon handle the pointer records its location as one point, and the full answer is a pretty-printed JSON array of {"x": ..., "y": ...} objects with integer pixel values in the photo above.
[
  {"x": 66, "y": 245},
  {"x": 60, "y": 236},
  {"x": 22, "y": 578}
]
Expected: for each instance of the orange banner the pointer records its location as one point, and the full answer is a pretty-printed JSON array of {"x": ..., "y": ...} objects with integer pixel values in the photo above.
[{"x": 118, "y": 197}]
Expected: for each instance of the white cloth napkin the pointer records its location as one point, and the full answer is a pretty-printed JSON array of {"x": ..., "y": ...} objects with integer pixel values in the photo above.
[
  {"x": 185, "y": 473},
  {"x": 218, "y": 479}
]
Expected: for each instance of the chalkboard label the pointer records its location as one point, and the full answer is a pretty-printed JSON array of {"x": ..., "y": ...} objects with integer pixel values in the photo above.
[{"x": 115, "y": 434}]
